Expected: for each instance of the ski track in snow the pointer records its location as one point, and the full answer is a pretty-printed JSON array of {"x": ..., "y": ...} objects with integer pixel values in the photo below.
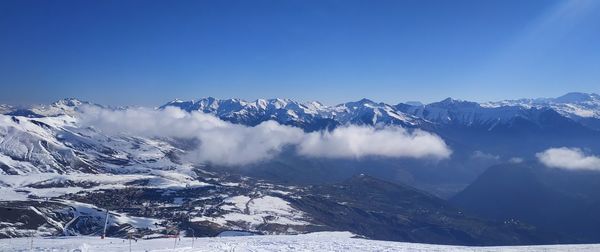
[{"x": 322, "y": 241}]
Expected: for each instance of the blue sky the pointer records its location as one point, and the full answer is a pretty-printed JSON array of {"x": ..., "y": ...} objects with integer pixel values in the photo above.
[{"x": 150, "y": 52}]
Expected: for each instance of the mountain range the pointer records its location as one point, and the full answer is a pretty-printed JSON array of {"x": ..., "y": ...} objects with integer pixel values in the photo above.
[
  {"x": 59, "y": 176},
  {"x": 579, "y": 107}
]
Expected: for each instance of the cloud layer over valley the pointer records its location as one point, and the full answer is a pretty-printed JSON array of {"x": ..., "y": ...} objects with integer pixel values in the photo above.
[
  {"x": 569, "y": 158},
  {"x": 225, "y": 143}
]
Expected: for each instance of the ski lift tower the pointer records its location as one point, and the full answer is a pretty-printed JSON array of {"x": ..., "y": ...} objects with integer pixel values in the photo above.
[
  {"x": 105, "y": 224},
  {"x": 130, "y": 234}
]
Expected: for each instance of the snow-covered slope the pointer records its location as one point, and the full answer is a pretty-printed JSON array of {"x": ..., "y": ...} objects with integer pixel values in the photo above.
[
  {"x": 322, "y": 241},
  {"x": 570, "y": 105},
  {"x": 368, "y": 112},
  {"x": 57, "y": 144},
  {"x": 66, "y": 106},
  {"x": 45, "y": 160},
  {"x": 30, "y": 145}
]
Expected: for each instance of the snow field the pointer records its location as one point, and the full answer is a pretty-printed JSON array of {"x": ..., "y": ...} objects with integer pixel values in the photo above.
[{"x": 322, "y": 241}]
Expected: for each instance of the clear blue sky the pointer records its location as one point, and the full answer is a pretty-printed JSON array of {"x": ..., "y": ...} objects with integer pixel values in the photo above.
[{"x": 149, "y": 52}]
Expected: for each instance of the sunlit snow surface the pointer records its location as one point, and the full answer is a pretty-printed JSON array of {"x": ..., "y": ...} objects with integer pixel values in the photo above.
[{"x": 323, "y": 241}]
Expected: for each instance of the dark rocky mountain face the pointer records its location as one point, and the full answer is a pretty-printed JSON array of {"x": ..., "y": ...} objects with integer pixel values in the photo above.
[
  {"x": 565, "y": 202},
  {"x": 383, "y": 210}
]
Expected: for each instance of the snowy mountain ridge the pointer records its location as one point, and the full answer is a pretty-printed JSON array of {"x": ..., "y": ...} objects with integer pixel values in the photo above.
[
  {"x": 575, "y": 106},
  {"x": 63, "y": 174},
  {"x": 289, "y": 112},
  {"x": 47, "y": 138},
  {"x": 572, "y": 104},
  {"x": 315, "y": 116}
]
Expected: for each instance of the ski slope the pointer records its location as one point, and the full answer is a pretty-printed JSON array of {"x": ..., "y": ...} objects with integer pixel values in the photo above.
[{"x": 322, "y": 241}]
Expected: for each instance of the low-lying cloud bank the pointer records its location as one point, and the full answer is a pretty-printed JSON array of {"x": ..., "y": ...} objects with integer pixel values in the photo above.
[
  {"x": 356, "y": 141},
  {"x": 226, "y": 143},
  {"x": 569, "y": 158}
]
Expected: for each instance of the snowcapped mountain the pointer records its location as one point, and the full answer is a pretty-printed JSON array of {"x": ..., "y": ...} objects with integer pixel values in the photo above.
[
  {"x": 29, "y": 145},
  {"x": 57, "y": 144},
  {"x": 451, "y": 111},
  {"x": 580, "y": 107},
  {"x": 310, "y": 115},
  {"x": 572, "y": 105},
  {"x": 64, "y": 175},
  {"x": 305, "y": 115},
  {"x": 367, "y": 112},
  {"x": 457, "y": 113},
  {"x": 67, "y": 106}
]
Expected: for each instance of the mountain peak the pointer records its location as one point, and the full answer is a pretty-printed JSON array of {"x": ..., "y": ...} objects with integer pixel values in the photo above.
[
  {"x": 361, "y": 102},
  {"x": 365, "y": 101},
  {"x": 450, "y": 102},
  {"x": 69, "y": 102},
  {"x": 414, "y": 103},
  {"x": 577, "y": 97}
]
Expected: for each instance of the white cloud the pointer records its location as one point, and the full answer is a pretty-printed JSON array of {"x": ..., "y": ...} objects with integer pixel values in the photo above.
[
  {"x": 359, "y": 141},
  {"x": 516, "y": 160},
  {"x": 220, "y": 142},
  {"x": 485, "y": 156},
  {"x": 225, "y": 143},
  {"x": 569, "y": 158}
]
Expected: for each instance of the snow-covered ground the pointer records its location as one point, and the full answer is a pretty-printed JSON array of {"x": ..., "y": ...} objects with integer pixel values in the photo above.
[
  {"x": 253, "y": 212},
  {"x": 323, "y": 241}
]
